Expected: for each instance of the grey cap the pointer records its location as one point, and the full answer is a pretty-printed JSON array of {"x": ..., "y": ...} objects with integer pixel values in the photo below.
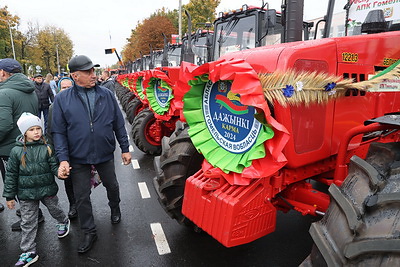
[
  {"x": 10, "y": 65},
  {"x": 81, "y": 62}
]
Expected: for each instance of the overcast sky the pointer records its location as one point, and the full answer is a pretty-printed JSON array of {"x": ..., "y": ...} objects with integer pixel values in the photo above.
[{"x": 95, "y": 25}]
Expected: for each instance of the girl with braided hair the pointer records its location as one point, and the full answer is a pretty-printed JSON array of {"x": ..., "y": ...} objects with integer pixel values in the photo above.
[{"x": 30, "y": 177}]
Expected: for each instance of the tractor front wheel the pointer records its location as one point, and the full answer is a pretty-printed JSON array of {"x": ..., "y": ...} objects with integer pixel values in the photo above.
[
  {"x": 134, "y": 107},
  {"x": 179, "y": 160},
  {"x": 362, "y": 224},
  {"x": 146, "y": 131}
]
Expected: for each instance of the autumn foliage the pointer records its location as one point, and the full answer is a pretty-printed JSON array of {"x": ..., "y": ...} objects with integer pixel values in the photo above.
[{"x": 147, "y": 33}]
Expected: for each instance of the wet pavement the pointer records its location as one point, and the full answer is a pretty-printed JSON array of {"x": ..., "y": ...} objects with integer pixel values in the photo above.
[{"x": 132, "y": 242}]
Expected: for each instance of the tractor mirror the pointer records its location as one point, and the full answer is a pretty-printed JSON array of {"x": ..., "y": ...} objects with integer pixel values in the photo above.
[{"x": 271, "y": 18}]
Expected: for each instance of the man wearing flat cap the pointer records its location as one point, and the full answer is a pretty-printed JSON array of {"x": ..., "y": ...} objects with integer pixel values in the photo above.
[
  {"x": 45, "y": 95},
  {"x": 86, "y": 121},
  {"x": 17, "y": 95}
]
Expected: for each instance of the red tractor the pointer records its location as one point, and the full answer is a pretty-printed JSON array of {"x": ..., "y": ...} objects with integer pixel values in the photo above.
[
  {"x": 158, "y": 121},
  {"x": 155, "y": 89},
  {"x": 264, "y": 125}
]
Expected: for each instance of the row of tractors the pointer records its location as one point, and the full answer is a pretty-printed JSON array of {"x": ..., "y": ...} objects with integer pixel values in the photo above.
[{"x": 268, "y": 118}]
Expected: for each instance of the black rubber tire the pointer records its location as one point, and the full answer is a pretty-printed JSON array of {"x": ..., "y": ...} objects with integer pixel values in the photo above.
[
  {"x": 119, "y": 89},
  {"x": 179, "y": 160},
  {"x": 362, "y": 224},
  {"x": 139, "y": 132},
  {"x": 133, "y": 109},
  {"x": 123, "y": 91},
  {"x": 125, "y": 100}
]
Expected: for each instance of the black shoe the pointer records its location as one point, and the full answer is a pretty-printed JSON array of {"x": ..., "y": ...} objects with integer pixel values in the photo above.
[
  {"x": 18, "y": 212},
  {"x": 73, "y": 213},
  {"x": 115, "y": 215},
  {"x": 1, "y": 207},
  {"x": 87, "y": 242},
  {"x": 17, "y": 225}
]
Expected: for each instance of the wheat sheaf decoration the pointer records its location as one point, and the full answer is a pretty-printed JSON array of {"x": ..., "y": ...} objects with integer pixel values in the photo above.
[
  {"x": 392, "y": 72},
  {"x": 296, "y": 88}
]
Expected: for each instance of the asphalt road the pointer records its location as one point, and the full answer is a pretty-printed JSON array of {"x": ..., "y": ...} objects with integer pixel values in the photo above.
[{"x": 136, "y": 240}]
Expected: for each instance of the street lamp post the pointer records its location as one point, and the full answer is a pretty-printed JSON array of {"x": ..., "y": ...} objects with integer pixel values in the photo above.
[
  {"x": 11, "y": 36},
  {"x": 58, "y": 60},
  {"x": 180, "y": 20}
]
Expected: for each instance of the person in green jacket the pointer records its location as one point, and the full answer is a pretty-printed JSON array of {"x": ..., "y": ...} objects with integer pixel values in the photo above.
[
  {"x": 17, "y": 95},
  {"x": 30, "y": 176}
]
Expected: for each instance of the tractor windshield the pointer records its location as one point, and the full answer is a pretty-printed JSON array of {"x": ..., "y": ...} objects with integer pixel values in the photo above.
[
  {"x": 174, "y": 55},
  {"x": 146, "y": 62},
  {"x": 200, "y": 50},
  {"x": 245, "y": 32},
  {"x": 158, "y": 56},
  {"x": 234, "y": 35}
]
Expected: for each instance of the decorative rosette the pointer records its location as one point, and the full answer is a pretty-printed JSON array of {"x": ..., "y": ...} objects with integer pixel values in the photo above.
[
  {"x": 121, "y": 77},
  {"x": 158, "y": 91},
  {"x": 240, "y": 92},
  {"x": 124, "y": 81},
  {"x": 140, "y": 86},
  {"x": 132, "y": 83}
]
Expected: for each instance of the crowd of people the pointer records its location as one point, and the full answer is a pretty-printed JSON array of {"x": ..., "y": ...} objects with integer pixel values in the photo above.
[{"x": 69, "y": 145}]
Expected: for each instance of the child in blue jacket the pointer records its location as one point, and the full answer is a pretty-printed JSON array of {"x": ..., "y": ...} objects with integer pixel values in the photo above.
[{"x": 30, "y": 177}]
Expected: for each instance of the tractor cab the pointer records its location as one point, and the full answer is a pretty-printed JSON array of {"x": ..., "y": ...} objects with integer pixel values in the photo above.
[
  {"x": 174, "y": 54},
  {"x": 157, "y": 57},
  {"x": 201, "y": 41},
  {"x": 249, "y": 27}
]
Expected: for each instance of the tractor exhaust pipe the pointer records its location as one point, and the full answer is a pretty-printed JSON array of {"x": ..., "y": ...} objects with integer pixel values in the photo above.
[
  {"x": 188, "y": 55},
  {"x": 293, "y": 13},
  {"x": 164, "y": 62}
]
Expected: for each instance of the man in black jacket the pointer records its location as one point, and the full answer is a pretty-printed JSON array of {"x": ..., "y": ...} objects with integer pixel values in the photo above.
[
  {"x": 86, "y": 121},
  {"x": 45, "y": 95},
  {"x": 108, "y": 82}
]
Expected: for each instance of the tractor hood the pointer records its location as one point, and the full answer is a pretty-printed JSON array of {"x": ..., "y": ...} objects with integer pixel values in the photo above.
[{"x": 265, "y": 59}]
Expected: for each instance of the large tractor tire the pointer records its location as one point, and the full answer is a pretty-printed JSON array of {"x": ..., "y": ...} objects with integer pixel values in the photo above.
[
  {"x": 134, "y": 107},
  {"x": 122, "y": 92},
  {"x": 126, "y": 99},
  {"x": 141, "y": 133},
  {"x": 119, "y": 90},
  {"x": 178, "y": 161},
  {"x": 362, "y": 224}
]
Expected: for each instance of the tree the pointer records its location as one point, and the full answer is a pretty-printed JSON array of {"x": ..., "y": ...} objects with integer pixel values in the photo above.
[
  {"x": 25, "y": 42},
  {"x": 49, "y": 41},
  {"x": 7, "y": 21},
  {"x": 146, "y": 34},
  {"x": 201, "y": 11}
]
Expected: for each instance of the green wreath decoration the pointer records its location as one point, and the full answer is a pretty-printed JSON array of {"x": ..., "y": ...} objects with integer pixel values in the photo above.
[
  {"x": 152, "y": 98},
  {"x": 205, "y": 143},
  {"x": 139, "y": 87}
]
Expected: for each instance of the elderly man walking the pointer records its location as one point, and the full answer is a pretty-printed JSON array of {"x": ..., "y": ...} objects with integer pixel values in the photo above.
[{"x": 86, "y": 121}]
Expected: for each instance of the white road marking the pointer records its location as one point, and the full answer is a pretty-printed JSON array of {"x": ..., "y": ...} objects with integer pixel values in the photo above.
[
  {"x": 160, "y": 239},
  {"x": 144, "y": 191},
  {"x": 130, "y": 148},
  {"x": 135, "y": 164}
]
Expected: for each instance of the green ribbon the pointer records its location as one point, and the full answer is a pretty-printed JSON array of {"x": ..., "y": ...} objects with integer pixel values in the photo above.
[
  {"x": 205, "y": 143},
  {"x": 152, "y": 98},
  {"x": 139, "y": 88}
]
